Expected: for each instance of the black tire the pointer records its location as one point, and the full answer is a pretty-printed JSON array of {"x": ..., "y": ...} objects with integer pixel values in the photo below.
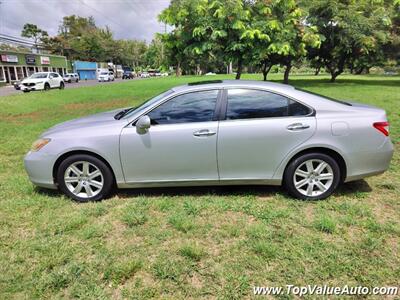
[
  {"x": 46, "y": 86},
  {"x": 61, "y": 85},
  {"x": 288, "y": 178},
  {"x": 108, "y": 177},
  {"x": 25, "y": 91},
  {"x": 77, "y": 80}
]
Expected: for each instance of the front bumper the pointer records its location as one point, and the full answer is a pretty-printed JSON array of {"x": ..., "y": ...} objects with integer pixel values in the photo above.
[
  {"x": 39, "y": 166},
  {"x": 35, "y": 87}
]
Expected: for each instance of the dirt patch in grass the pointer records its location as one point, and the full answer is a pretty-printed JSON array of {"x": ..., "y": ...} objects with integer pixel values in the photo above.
[{"x": 20, "y": 118}]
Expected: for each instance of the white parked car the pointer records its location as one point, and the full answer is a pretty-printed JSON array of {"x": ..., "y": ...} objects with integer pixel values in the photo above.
[
  {"x": 106, "y": 76},
  {"x": 42, "y": 81},
  {"x": 70, "y": 77},
  {"x": 144, "y": 75}
]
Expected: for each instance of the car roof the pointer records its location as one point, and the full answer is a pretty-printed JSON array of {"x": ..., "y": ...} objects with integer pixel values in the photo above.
[{"x": 232, "y": 83}]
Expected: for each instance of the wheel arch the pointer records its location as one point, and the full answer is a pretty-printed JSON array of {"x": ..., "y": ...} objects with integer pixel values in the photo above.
[
  {"x": 328, "y": 151},
  {"x": 74, "y": 152}
]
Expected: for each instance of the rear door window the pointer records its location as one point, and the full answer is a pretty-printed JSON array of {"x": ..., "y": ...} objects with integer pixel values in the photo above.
[{"x": 254, "y": 104}]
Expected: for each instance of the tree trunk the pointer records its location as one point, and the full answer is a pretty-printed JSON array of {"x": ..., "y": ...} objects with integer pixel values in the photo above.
[
  {"x": 240, "y": 68},
  {"x": 360, "y": 70},
  {"x": 286, "y": 75},
  {"x": 178, "y": 71},
  {"x": 317, "y": 70},
  {"x": 341, "y": 64},
  {"x": 198, "y": 69},
  {"x": 266, "y": 68}
]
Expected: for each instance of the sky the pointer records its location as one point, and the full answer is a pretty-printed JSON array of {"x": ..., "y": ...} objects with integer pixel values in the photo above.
[{"x": 128, "y": 19}]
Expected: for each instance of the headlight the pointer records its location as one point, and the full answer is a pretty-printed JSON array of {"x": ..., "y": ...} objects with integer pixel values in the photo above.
[
  {"x": 39, "y": 82},
  {"x": 39, "y": 144}
]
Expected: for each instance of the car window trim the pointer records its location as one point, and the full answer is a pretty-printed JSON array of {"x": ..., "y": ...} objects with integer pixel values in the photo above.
[
  {"x": 224, "y": 104},
  {"x": 217, "y": 108}
]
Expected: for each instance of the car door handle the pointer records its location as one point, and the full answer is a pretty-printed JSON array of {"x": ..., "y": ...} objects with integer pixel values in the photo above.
[
  {"x": 204, "y": 132},
  {"x": 297, "y": 126}
]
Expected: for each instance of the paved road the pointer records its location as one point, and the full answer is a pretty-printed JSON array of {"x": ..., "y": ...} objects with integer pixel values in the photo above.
[{"x": 9, "y": 90}]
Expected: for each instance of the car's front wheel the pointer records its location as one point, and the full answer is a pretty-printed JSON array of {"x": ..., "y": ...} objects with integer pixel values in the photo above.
[
  {"x": 46, "y": 86},
  {"x": 312, "y": 176},
  {"x": 85, "y": 178},
  {"x": 61, "y": 85}
]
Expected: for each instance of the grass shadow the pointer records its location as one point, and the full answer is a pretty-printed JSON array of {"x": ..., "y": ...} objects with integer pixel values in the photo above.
[
  {"x": 48, "y": 192},
  {"x": 354, "y": 187},
  {"x": 318, "y": 82},
  {"x": 234, "y": 190},
  {"x": 360, "y": 186}
]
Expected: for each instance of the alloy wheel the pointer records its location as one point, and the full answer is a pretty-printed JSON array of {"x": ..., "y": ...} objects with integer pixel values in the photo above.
[
  {"x": 83, "y": 179},
  {"x": 313, "y": 177}
]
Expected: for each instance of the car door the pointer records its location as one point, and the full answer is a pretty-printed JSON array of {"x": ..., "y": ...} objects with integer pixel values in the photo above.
[
  {"x": 180, "y": 144},
  {"x": 53, "y": 80},
  {"x": 259, "y": 129}
]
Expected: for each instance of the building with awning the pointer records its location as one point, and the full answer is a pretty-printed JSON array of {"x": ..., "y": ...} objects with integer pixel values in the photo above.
[{"x": 16, "y": 66}]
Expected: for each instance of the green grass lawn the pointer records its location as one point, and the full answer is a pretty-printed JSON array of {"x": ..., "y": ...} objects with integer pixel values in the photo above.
[{"x": 189, "y": 242}]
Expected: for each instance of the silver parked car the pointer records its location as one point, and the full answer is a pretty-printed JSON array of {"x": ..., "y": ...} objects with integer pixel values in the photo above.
[{"x": 216, "y": 133}]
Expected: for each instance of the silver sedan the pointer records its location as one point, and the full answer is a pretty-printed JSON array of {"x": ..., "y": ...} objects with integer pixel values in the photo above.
[{"x": 216, "y": 133}]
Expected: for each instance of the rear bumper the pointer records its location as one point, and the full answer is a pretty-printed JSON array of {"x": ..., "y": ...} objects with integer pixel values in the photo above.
[
  {"x": 369, "y": 163},
  {"x": 39, "y": 167}
]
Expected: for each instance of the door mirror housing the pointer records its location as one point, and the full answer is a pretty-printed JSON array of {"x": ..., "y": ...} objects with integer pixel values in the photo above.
[{"x": 143, "y": 124}]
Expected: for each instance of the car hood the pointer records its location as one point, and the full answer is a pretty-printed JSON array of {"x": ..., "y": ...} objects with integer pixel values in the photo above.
[
  {"x": 33, "y": 80},
  {"x": 96, "y": 120}
]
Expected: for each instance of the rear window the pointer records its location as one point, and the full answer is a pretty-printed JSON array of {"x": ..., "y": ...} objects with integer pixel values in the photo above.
[{"x": 327, "y": 97}]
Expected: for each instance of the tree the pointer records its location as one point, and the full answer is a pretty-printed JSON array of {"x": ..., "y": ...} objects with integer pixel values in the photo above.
[
  {"x": 186, "y": 43},
  {"x": 33, "y": 32},
  {"x": 391, "y": 50},
  {"x": 351, "y": 29},
  {"x": 211, "y": 28},
  {"x": 154, "y": 56},
  {"x": 288, "y": 35}
]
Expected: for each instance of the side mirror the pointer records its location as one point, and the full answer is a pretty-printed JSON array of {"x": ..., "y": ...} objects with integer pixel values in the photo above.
[{"x": 143, "y": 124}]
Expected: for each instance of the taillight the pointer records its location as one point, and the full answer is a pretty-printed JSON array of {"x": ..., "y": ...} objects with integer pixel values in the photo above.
[{"x": 382, "y": 127}]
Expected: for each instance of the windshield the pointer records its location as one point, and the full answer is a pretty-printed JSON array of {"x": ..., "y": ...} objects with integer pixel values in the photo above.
[
  {"x": 145, "y": 105},
  {"x": 39, "y": 75},
  {"x": 103, "y": 73}
]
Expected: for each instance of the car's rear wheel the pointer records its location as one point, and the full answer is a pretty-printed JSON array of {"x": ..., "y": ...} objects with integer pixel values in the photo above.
[
  {"x": 46, "y": 86},
  {"x": 85, "y": 178},
  {"x": 312, "y": 176},
  {"x": 61, "y": 85}
]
